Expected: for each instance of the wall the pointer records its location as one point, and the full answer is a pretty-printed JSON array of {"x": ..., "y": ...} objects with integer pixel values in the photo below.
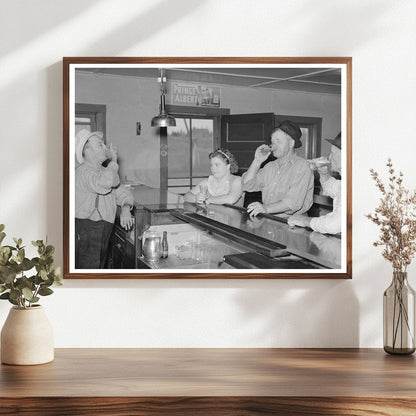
[
  {"x": 378, "y": 34},
  {"x": 129, "y": 100}
]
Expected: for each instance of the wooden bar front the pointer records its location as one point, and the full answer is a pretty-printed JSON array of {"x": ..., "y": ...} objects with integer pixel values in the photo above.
[{"x": 212, "y": 382}]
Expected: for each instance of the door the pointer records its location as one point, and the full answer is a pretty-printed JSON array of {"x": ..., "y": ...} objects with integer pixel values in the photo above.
[{"x": 241, "y": 134}]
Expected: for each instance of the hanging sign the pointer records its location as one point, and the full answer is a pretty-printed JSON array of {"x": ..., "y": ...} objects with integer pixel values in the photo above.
[{"x": 195, "y": 95}]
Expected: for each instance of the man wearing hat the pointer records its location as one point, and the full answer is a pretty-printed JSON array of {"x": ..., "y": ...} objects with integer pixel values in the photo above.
[
  {"x": 286, "y": 183},
  {"x": 97, "y": 194},
  {"x": 331, "y": 222}
]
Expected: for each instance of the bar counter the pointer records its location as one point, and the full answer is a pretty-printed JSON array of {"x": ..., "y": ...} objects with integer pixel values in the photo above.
[
  {"x": 264, "y": 242},
  {"x": 220, "y": 382}
]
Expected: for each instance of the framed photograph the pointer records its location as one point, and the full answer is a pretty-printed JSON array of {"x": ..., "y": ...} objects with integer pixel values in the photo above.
[{"x": 207, "y": 167}]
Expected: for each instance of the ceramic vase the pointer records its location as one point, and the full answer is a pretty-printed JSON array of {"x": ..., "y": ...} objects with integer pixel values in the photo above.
[
  {"x": 399, "y": 316},
  {"x": 27, "y": 337}
]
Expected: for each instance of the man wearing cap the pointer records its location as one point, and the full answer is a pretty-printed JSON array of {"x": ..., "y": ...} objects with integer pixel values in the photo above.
[
  {"x": 286, "y": 183},
  {"x": 331, "y": 222},
  {"x": 97, "y": 194}
]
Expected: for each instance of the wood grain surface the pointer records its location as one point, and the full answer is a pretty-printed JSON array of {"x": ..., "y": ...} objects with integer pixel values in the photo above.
[{"x": 212, "y": 382}]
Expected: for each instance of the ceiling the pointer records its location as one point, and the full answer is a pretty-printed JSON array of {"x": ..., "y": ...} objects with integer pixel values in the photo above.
[{"x": 319, "y": 80}]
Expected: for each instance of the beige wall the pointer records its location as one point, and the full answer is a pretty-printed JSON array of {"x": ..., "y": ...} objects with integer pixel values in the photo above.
[
  {"x": 380, "y": 36},
  {"x": 127, "y": 101}
]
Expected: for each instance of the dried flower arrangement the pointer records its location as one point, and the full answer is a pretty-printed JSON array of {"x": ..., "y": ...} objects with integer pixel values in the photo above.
[{"x": 396, "y": 216}]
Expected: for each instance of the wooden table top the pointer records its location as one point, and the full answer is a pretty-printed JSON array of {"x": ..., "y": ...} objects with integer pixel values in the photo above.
[{"x": 214, "y": 373}]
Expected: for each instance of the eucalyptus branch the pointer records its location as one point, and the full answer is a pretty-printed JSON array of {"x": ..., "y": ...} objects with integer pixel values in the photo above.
[{"x": 17, "y": 285}]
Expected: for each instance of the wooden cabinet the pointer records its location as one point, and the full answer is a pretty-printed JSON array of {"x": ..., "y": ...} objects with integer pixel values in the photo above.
[{"x": 121, "y": 251}]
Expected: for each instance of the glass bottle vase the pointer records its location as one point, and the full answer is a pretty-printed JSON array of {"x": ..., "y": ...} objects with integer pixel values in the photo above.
[{"x": 399, "y": 316}]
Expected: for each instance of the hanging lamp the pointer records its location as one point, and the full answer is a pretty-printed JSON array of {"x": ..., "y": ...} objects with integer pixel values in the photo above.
[{"x": 163, "y": 119}]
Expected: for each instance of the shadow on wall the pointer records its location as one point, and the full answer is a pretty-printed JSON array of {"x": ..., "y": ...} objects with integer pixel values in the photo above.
[
  {"x": 137, "y": 30},
  {"x": 157, "y": 18},
  {"x": 54, "y": 167},
  {"x": 45, "y": 16},
  {"x": 290, "y": 313}
]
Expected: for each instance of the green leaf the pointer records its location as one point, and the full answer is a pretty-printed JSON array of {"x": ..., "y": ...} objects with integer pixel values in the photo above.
[
  {"x": 5, "y": 250},
  {"x": 1, "y": 227},
  {"x": 37, "y": 243},
  {"x": 21, "y": 255},
  {"x": 14, "y": 268},
  {"x": 2, "y": 288},
  {"x": 45, "y": 291},
  {"x": 7, "y": 297},
  {"x": 8, "y": 277},
  {"x": 13, "y": 301},
  {"x": 26, "y": 264},
  {"x": 3, "y": 271},
  {"x": 49, "y": 250},
  {"x": 15, "y": 294},
  {"x": 27, "y": 293},
  {"x": 43, "y": 275},
  {"x": 11, "y": 248},
  {"x": 5, "y": 254},
  {"x": 2, "y": 236},
  {"x": 58, "y": 276},
  {"x": 24, "y": 282},
  {"x": 37, "y": 280},
  {"x": 18, "y": 242}
]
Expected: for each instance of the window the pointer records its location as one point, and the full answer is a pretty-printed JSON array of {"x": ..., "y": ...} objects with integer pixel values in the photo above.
[
  {"x": 189, "y": 143},
  {"x": 90, "y": 117}
]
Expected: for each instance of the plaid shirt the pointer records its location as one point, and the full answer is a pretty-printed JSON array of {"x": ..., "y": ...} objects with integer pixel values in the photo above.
[{"x": 289, "y": 180}]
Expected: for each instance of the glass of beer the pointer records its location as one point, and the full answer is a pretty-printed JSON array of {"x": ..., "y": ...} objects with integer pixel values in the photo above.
[
  {"x": 266, "y": 150},
  {"x": 319, "y": 162}
]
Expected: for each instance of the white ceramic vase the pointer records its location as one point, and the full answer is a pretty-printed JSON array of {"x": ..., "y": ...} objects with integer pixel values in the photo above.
[{"x": 27, "y": 337}]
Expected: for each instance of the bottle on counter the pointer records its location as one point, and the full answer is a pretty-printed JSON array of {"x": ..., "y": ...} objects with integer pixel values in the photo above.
[{"x": 165, "y": 246}]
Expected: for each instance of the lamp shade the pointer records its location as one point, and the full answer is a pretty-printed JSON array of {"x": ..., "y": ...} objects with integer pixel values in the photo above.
[{"x": 163, "y": 119}]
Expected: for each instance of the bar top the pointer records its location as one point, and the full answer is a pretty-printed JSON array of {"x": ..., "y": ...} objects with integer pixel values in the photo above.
[
  {"x": 321, "y": 249},
  {"x": 214, "y": 373},
  {"x": 154, "y": 198}
]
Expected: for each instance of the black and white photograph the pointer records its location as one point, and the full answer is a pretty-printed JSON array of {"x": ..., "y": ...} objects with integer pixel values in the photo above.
[{"x": 210, "y": 167}]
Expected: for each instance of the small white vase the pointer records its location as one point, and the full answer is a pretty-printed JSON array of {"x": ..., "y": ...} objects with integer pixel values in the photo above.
[{"x": 27, "y": 337}]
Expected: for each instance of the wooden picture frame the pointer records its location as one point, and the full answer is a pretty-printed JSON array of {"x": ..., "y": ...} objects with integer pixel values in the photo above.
[{"x": 242, "y": 99}]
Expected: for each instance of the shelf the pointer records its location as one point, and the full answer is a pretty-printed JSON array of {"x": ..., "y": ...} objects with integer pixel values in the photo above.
[{"x": 212, "y": 381}]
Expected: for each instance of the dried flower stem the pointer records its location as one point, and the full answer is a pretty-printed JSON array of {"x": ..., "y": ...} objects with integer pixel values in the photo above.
[{"x": 396, "y": 216}]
